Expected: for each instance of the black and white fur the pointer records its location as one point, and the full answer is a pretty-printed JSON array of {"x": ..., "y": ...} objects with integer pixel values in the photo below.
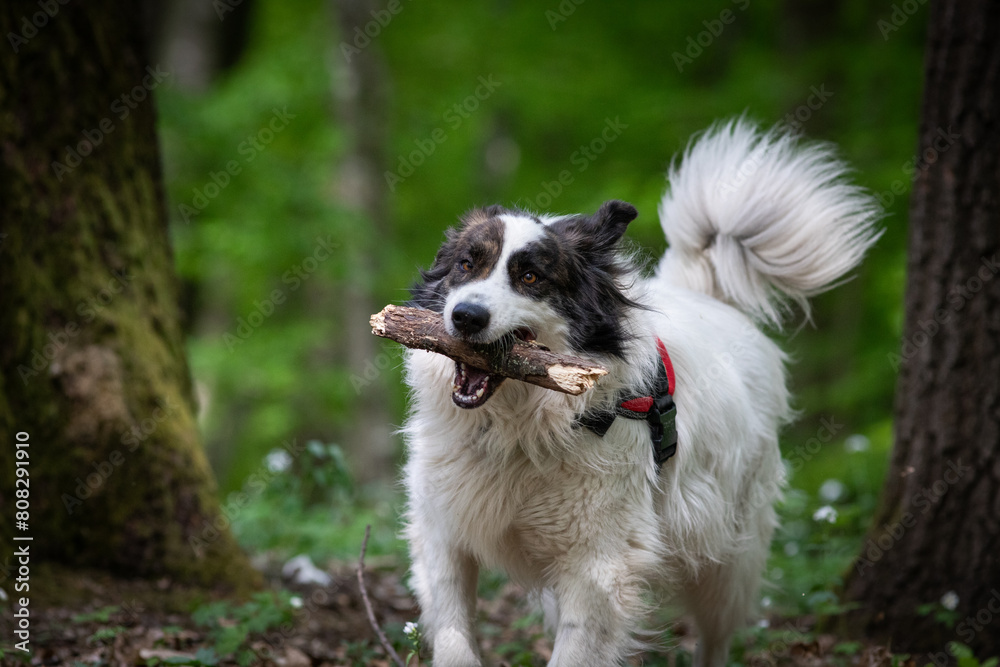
[{"x": 499, "y": 474}]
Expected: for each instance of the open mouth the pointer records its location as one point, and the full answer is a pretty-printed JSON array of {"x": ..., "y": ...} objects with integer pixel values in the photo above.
[{"x": 474, "y": 386}]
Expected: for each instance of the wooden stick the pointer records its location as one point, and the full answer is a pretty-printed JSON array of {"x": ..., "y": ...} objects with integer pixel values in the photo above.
[
  {"x": 368, "y": 603},
  {"x": 529, "y": 362}
]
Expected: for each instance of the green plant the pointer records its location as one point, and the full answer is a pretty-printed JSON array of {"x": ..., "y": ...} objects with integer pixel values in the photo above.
[
  {"x": 413, "y": 634},
  {"x": 104, "y": 634},
  {"x": 230, "y": 626},
  {"x": 360, "y": 653},
  {"x": 304, "y": 500},
  {"x": 520, "y": 652},
  {"x": 491, "y": 583},
  {"x": 517, "y": 654},
  {"x": 900, "y": 659},
  {"x": 317, "y": 475},
  {"x": 965, "y": 657},
  {"x": 204, "y": 657},
  {"x": 8, "y": 654},
  {"x": 102, "y": 615},
  {"x": 941, "y": 613},
  {"x": 847, "y": 648},
  {"x": 845, "y": 652}
]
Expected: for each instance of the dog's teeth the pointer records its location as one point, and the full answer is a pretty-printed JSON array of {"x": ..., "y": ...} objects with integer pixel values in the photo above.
[{"x": 482, "y": 390}]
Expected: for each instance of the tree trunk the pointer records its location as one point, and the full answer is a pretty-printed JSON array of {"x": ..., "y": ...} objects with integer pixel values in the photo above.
[
  {"x": 937, "y": 534},
  {"x": 93, "y": 361}
]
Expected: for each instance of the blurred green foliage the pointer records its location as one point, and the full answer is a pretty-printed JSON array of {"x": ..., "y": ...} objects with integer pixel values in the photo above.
[
  {"x": 306, "y": 502},
  {"x": 555, "y": 78}
]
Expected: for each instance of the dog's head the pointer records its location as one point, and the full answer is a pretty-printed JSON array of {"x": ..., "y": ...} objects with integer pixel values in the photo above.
[{"x": 505, "y": 272}]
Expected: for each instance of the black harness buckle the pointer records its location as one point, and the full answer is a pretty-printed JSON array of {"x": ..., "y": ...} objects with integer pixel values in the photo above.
[
  {"x": 663, "y": 430},
  {"x": 661, "y": 417}
]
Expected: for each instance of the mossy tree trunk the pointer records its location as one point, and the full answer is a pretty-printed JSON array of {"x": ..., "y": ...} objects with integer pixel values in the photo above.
[
  {"x": 93, "y": 360},
  {"x": 936, "y": 539}
]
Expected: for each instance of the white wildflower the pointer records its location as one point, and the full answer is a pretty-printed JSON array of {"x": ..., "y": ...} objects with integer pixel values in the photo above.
[
  {"x": 825, "y": 513},
  {"x": 278, "y": 460},
  {"x": 831, "y": 490},
  {"x": 295, "y": 601},
  {"x": 950, "y": 600},
  {"x": 411, "y": 630},
  {"x": 856, "y": 443}
]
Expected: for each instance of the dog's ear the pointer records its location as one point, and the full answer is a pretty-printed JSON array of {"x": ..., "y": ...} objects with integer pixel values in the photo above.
[
  {"x": 610, "y": 222},
  {"x": 599, "y": 233}
]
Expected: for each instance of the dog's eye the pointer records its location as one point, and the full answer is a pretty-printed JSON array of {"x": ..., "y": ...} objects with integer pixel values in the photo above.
[
  {"x": 466, "y": 265},
  {"x": 529, "y": 278}
]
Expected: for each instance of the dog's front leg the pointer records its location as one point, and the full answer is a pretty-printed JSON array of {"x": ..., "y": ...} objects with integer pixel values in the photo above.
[
  {"x": 597, "y": 602},
  {"x": 444, "y": 578}
]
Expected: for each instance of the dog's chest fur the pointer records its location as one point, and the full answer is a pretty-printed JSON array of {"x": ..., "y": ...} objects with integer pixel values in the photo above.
[
  {"x": 495, "y": 481},
  {"x": 515, "y": 515}
]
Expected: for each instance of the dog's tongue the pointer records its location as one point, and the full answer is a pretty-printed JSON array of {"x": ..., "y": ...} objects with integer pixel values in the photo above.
[{"x": 473, "y": 386}]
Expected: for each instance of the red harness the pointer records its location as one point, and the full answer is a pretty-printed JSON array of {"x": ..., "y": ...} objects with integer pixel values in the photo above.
[{"x": 658, "y": 409}]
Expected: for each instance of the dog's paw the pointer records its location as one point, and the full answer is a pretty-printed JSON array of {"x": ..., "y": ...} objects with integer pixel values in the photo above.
[{"x": 452, "y": 648}]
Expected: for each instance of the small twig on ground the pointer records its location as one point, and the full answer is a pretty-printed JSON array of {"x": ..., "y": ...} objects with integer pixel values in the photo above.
[{"x": 368, "y": 603}]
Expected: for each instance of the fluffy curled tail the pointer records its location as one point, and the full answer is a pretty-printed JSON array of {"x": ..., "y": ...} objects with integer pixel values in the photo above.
[{"x": 758, "y": 218}]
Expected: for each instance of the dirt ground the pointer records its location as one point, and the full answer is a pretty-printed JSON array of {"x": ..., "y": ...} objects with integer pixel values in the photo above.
[{"x": 152, "y": 624}]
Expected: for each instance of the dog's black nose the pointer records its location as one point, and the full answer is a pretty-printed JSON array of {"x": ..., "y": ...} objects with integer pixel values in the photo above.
[{"x": 470, "y": 318}]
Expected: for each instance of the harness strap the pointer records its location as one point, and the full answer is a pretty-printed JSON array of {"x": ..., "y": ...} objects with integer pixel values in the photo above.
[{"x": 658, "y": 410}]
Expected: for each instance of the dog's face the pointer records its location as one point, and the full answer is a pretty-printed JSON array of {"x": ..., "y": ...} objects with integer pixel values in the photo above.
[{"x": 506, "y": 273}]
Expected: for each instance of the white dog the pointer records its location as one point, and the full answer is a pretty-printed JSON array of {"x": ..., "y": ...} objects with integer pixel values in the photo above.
[{"x": 567, "y": 494}]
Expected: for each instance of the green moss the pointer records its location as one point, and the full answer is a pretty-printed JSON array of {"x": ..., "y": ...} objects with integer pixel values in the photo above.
[
  {"x": 91, "y": 301},
  {"x": 86, "y": 588}
]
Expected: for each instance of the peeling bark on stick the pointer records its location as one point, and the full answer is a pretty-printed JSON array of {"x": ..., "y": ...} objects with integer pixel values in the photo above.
[{"x": 529, "y": 362}]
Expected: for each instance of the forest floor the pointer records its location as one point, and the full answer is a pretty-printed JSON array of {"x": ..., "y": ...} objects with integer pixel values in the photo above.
[{"x": 92, "y": 619}]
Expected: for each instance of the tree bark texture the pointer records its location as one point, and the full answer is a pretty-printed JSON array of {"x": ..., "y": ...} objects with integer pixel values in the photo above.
[
  {"x": 93, "y": 360},
  {"x": 938, "y": 529}
]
